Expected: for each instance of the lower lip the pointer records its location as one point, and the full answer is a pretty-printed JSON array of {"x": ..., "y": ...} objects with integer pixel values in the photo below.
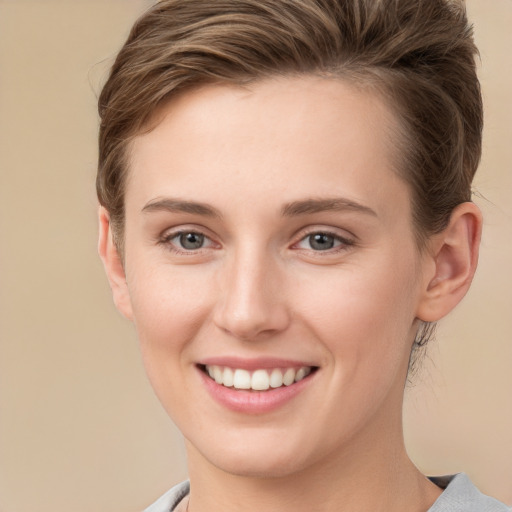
[{"x": 254, "y": 402}]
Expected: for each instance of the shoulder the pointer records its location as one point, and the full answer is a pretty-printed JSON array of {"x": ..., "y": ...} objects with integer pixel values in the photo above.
[
  {"x": 170, "y": 499},
  {"x": 460, "y": 495}
]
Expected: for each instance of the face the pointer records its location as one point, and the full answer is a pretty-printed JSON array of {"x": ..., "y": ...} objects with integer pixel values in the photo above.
[{"x": 269, "y": 243}]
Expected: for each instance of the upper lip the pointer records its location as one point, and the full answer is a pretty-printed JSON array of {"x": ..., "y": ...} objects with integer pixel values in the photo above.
[{"x": 258, "y": 363}]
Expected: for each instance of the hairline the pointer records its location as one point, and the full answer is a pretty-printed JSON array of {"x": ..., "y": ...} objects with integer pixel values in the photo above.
[{"x": 362, "y": 78}]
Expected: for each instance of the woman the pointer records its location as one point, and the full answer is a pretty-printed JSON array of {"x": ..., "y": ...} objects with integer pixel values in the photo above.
[{"x": 285, "y": 212}]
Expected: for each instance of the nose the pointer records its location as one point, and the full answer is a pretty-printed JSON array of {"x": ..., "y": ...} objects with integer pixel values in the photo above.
[{"x": 252, "y": 301}]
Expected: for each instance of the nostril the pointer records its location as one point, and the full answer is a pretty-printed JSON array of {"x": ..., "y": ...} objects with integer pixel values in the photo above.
[{"x": 257, "y": 322}]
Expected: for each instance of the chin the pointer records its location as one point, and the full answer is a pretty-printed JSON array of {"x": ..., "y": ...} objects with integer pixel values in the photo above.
[
  {"x": 257, "y": 466},
  {"x": 267, "y": 456}
]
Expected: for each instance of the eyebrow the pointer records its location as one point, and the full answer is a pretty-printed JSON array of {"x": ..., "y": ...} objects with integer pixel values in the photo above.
[
  {"x": 337, "y": 204},
  {"x": 168, "y": 204},
  {"x": 293, "y": 209}
]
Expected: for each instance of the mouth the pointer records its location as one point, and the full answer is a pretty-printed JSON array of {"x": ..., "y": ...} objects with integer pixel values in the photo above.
[{"x": 263, "y": 379}]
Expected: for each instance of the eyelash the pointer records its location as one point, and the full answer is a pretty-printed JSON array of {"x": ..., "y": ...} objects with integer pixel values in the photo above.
[
  {"x": 167, "y": 240},
  {"x": 343, "y": 242}
]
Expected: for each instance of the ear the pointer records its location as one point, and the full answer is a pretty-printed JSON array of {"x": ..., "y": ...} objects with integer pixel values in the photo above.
[
  {"x": 113, "y": 264},
  {"x": 451, "y": 263}
]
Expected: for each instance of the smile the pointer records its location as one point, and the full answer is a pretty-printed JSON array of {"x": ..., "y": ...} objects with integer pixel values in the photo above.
[{"x": 257, "y": 380}]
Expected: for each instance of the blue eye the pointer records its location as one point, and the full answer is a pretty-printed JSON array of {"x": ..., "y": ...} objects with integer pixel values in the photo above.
[
  {"x": 322, "y": 241},
  {"x": 191, "y": 241},
  {"x": 188, "y": 241}
]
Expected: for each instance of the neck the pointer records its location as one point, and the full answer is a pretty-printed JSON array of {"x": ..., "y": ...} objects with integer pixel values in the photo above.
[{"x": 370, "y": 475}]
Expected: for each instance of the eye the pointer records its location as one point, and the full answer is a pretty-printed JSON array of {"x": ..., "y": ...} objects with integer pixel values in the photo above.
[
  {"x": 190, "y": 241},
  {"x": 323, "y": 241},
  {"x": 187, "y": 241}
]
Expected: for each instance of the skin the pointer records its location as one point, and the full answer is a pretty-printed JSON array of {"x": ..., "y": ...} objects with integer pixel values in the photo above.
[{"x": 251, "y": 157}]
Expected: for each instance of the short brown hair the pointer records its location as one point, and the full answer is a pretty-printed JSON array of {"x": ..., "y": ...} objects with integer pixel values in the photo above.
[{"x": 420, "y": 53}]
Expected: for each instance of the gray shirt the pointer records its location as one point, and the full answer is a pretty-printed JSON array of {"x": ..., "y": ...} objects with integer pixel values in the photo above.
[{"x": 459, "y": 495}]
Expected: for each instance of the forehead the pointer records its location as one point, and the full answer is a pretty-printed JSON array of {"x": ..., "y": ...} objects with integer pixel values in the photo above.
[{"x": 278, "y": 137}]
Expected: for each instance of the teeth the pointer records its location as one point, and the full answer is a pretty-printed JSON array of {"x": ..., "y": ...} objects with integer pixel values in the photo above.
[
  {"x": 276, "y": 378},
  {"x": 302, "y": 372},
  {"x": 218, "y": 374},
  {"x": 241, "y": 380},
  {"x": 259, "y": 380},
  {"x": 289, "y": 377},
  {"x": 228, "y": 377}
]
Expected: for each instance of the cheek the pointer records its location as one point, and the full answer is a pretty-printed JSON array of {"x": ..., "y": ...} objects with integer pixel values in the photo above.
[
  {"x": 169, "y": 308},
  {"x": 365, "y": 318},
  {"x": 169, "y": 311},
  {"x": 166, "y": 298}
]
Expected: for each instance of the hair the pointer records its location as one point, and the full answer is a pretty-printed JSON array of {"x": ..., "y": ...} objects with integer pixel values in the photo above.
[{"x": 418, "y": 54}]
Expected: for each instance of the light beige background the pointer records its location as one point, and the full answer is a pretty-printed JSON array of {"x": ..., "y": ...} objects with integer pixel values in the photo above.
[{"x": 80, "y": 429}]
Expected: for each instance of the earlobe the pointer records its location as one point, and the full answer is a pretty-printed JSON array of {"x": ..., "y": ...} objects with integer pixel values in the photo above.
[
  {"x": 113, "y": 265},
  {"x": 454, "y": 254}
]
